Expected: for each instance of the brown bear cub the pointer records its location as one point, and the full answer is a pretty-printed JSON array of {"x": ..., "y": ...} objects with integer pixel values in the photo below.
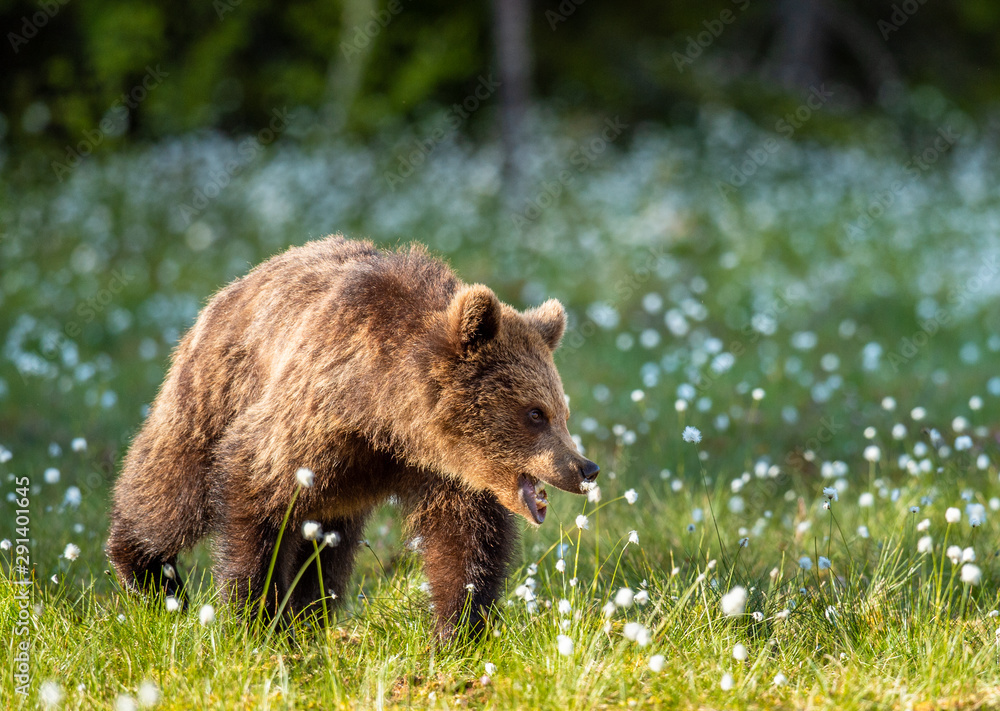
[{"x": 387, "y": 377}]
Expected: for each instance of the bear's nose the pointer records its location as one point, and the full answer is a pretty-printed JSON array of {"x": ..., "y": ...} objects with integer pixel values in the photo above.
[{"x": 589, "y": 470}]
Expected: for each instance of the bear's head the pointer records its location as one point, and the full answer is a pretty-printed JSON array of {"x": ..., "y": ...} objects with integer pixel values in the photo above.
[{"x": 499, "y": 407}]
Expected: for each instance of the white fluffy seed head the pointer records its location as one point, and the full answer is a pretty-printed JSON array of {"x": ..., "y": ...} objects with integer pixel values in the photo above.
[
  {"x": 971, "y": 574},
  {"x": 305, "y": 477},
  {"x": 624, "y": 598},
  {"x": 734, "y": 602},
  {"x": 206, "y": 615},
  {"x": 311, "y": 530}
]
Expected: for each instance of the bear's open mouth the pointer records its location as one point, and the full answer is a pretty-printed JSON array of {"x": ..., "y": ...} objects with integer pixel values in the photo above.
[{"x": 534, "y": 497}]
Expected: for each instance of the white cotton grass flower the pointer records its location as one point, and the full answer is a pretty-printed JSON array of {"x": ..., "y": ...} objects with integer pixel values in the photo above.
[
  {"x": 924, "y": 525},
  {"x": 561, "y": 565},
  {"x": 954, "y": 554},
  {"x": 565, "y": 607},
  {"x": 872, "y": 453},
  {"x": 79, "y": 444},
  {"x": 490, "y": 668},
  {"x": 971, "y": 574},
  {"x": 565, "y": 645},
  {"x": 331, "y": 539},
  {"x": 633, "y": 537},
  {"x": 963, "y": 443},
  {"x": 624, "y": 598},
  {"x": 758, "y": 394},
  {"x": 50, "y": 694},
  {"x": 918, "y": 413},
  {"x": 727, "y": 683},
  {"x": 206, "y": 615},
  {"x": 691, "y": 434},
  {"x": 148, "y": 694},
  {"x": 582, "y": 522},
  {"x": 71, "y": 552},
  {"x": 656, "y": 663},
  {"x": 631, "y": 496},
  {"x": 73, "y": 497},
  {"x": 5, "y": 544},
  {"x": 637, "y": 633},
  {"x": 831, "y": 493},
  {"x": 866, "y": 500},
  {"x": 172, "y": 604},
  {"x": 594, "y": 495},
  {"x": 740, "y": 653},
  {"x": 311, "y": 530},
  {"x": 641, "y": 597},
  {"x": 734, "y": 602},
  {"x": 780, "y": 679},
  {"x": 888, "y": 403},
  {"x": 51, "y": 475},
  {"x": 609, "y": 609},
  {"x": 953, "y": 515},
  {"x": 899, "y": 431},
  {"x": 305, "y": 477},
  {"x": 925, "y": 545},
  {"x": 824, "y": 563},
  {"x": 805, "y": 562},
  {"x": 124, "y": 702},
  {"x": 969, "y": 555}
]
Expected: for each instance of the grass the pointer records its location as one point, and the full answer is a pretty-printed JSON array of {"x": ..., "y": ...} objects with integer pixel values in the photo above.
[{"x": 792, "y": 344}]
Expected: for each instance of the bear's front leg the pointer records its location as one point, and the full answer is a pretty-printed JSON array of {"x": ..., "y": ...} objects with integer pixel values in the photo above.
[{"x": 467, "y": 539}]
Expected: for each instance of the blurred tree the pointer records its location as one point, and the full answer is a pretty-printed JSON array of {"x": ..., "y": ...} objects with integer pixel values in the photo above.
[
  {"x": 364, "y": 63},
  {"x": 511, "y": 36}
]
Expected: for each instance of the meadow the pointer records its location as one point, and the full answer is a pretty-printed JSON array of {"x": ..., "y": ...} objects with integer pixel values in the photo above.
[{"x": 785, "y": 361}]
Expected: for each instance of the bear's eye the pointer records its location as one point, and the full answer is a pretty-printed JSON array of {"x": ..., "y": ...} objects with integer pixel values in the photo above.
[{"x": 536, "y": 416}]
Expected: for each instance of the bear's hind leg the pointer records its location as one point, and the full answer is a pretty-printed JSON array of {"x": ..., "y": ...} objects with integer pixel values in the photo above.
[
  {"x": 335, "y": 561},
  {"x": 244, "y": 547},
  {"x": 467, "y": 541},
  {"x": 139, "y": 570}
]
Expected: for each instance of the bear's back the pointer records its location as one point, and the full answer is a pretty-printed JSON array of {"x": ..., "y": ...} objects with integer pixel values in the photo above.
[{"x": 324, "y": 300}]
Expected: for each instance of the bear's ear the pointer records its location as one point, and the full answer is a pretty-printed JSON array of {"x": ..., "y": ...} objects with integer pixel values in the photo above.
[
  {"x": 474, "y": 316},
  {"x": 549, "y": 319}
]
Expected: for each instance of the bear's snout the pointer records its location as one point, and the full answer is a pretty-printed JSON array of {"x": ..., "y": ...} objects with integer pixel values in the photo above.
[{"x": 588, "y": 471}]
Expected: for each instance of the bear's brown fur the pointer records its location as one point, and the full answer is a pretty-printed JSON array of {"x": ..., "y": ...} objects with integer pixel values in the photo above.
[{"x": 385, "y": 375}]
